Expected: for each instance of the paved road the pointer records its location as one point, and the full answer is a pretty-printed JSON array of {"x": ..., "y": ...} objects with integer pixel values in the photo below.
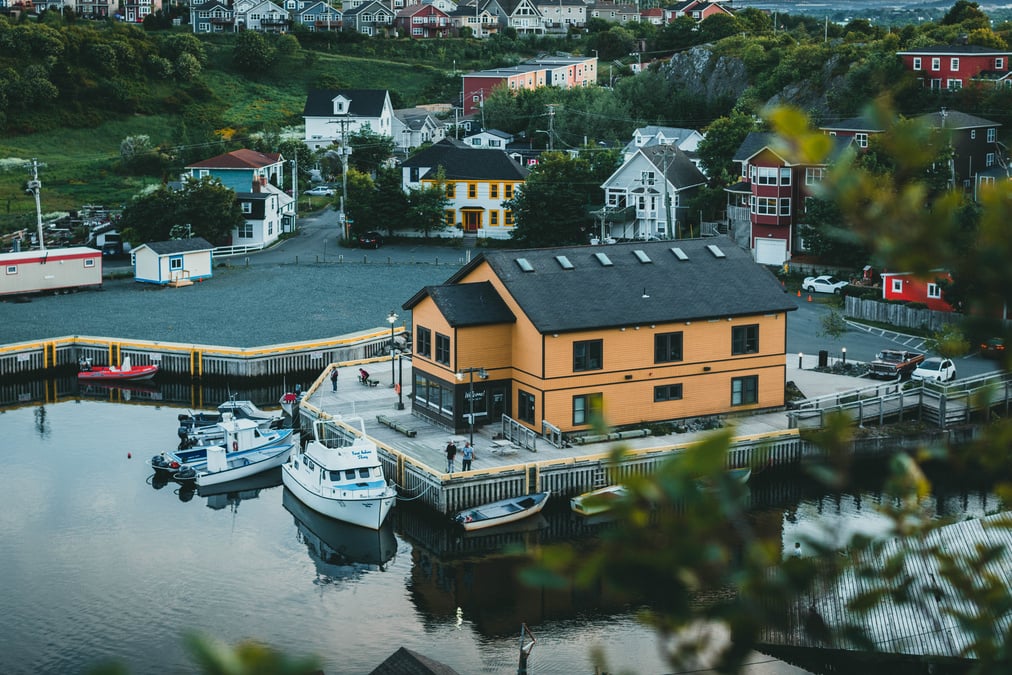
[{"x": 309, "y": 287}]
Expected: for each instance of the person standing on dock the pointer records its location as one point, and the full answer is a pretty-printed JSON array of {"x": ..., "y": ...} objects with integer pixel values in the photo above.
[
  {"x": 466, "y": 456},
  {"x": 333, "y": 378},
  {"x": 451, "y": 454}
]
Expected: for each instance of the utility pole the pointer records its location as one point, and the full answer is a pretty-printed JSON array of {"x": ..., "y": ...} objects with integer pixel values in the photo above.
[
  {"x": 295, "y": 189},
  {"x": 344, "y": 152},
  {"x": 35, "y": 187},
  {"x": 551, "y": 127}
]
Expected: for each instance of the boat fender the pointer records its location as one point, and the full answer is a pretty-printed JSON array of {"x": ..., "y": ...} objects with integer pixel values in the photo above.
[
  {"x": 235, "y": 446},
  {"x": 173, "y": 464}
]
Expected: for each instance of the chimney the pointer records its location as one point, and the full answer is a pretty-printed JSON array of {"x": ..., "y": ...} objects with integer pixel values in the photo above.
[{"x": 256, "y": 184}]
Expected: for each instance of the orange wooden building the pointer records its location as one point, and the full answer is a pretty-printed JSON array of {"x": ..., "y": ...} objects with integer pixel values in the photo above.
[{"x": 643, "y": 332}]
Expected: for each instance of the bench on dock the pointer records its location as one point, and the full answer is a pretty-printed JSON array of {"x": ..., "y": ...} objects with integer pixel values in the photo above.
[{"x": 396, "y": 426}]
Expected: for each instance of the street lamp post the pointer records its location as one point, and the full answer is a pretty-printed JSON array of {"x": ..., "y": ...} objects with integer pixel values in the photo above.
[
  {"x": 844, "y": 356},
  {"x": 482, "y": 374},
  {"x": 392, "y": 318},
  {"x": 400, "y": 382}
]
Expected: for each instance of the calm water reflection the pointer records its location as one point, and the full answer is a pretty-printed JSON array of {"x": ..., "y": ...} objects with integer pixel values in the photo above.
[{"x": 103, "y": 563}]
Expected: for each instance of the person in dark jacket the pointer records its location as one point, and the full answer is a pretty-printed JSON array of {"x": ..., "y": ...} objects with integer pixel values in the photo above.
[{"x": 451, "y": 455}]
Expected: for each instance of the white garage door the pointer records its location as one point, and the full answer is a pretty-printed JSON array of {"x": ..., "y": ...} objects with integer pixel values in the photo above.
[{"x": 771, "y": 251}]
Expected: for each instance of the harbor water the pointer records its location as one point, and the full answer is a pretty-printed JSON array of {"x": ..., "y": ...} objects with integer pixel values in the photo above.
[{"x": 104, "y": 564}]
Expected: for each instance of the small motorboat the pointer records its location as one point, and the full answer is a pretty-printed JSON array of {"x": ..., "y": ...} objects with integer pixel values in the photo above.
[
  {"x": 235, "y": 435},
  {"x": 502, "y": 511},
  {"x": 233, "y": 493},
  {"x": 290, "y": 401},
  {"x": 598, "y": 501},
  {"x": 345, "y": 483},
  {"x": 124, "y": 372},
  {"x": 201, "y": 427},
  {"x": 222, "y": 466}
]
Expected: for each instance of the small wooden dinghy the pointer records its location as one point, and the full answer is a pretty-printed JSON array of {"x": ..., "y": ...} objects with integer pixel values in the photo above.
[{"x": 502, "y": 511}]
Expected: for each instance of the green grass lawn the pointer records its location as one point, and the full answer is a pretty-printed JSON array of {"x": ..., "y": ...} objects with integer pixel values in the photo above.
[{"x": 79, "y": 166}]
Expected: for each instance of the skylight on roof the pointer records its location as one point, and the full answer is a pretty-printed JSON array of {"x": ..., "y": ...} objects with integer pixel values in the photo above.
[
  {"x": 679, "y": 253},
  {"x": 603, "y": 259},
  {"x": 564, "y": 262},
  {"x": 524, "y": 265},
  {"x": 642, "y": 256},
  {"x": 715, "y": 250}
]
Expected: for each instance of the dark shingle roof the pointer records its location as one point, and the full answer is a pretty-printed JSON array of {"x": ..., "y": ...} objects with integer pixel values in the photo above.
[
  {"x": 180, "y": 246},
  {"x": 681, "y": 172},
  {"x": 364, "y": 102},
  {"x": 953, "y": 119},
  {"x": 407, "y": 662},
  {"x": 753, "y": 143},
  {"x": 955, "y": 49},
  {"x": 470, "y": 304},
  {"x": 862, "y": 124},
  {"x": 463, "y": 163},
  {"x": 629, "y": 292}
]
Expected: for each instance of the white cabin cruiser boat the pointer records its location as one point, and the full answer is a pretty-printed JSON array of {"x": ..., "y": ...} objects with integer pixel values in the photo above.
[{"x": 344, "y": 483}]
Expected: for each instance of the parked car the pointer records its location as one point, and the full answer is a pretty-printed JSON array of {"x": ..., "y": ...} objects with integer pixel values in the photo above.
[
  {"x": 370, "y": 240},
  {"x": 894, "y": 363},
  {"x": 993, "y": 348},
  {"x": 935, "y": 369},
  {"x": 824, "y": 284},
  {"x": 320, "y": 191}
]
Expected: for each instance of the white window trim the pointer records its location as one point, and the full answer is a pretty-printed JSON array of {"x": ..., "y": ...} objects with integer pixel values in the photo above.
[
  {"x": 897, "y": 286},
  {"x": 934, "y": 291}
]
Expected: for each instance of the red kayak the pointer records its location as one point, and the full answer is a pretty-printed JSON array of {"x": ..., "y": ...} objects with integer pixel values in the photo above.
[{"x": 114, "y": 373}]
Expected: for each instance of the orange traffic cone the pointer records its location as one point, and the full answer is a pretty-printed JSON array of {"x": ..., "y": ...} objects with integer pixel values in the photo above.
[
  {"x": 799, "y": 292},
  {"x": 809, "y": 297}
]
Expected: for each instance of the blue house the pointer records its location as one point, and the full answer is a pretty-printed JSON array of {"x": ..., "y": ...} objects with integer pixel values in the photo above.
[{"x": 245, "y": 172}]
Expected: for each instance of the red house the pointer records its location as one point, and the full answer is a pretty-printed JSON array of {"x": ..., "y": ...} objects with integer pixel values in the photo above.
[
  {"x": 698, "y": 9},
  {"x": 767, "y": 205},
  {"x": 954, "y": 66},
  {"x": 908, "y": 288},
  {"x": 479, "y": 85},
  {"x": 423, "y": 21}
]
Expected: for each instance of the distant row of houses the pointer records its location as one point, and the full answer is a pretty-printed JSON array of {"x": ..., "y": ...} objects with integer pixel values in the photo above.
[{"x": 433, "y": 18}]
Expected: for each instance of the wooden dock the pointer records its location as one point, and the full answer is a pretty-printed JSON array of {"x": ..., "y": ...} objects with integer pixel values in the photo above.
[
  {"x": 967, "y": 401},
  {"x": 193, "y": 360},
  {"x": 416, "y": 460}
]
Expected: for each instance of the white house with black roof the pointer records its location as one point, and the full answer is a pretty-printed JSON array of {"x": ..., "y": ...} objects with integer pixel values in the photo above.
[
  {"x": 329, "y": 113},
  {"x": 478, "y": 182},
  {"x": 638, "y": 332},
  {"x": 176, "y": 260},
  {"x": 647, "y": 197}
]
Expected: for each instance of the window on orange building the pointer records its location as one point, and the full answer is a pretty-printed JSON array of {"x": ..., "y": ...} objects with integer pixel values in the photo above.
[
  {"x": 586, "y": 407},
  {"x": 667, "y": 347},
  {"x": 588, "y": 355},
  {"x": 745, "y": 339},
  {"x": 745, "y": 390}
]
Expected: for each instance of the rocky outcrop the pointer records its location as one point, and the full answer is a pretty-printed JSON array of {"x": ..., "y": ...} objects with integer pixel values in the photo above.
[{"x": 700, "y": 72}]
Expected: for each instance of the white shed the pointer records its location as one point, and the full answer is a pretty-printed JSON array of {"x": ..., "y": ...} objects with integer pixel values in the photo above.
[{"x": 178, "y": 262}]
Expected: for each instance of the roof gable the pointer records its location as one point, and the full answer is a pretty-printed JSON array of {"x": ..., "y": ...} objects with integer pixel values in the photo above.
[
  {"x": 239, "y": 159},
  {"x": 462, "y": 163},
  {"x": 360, "y": 102}
]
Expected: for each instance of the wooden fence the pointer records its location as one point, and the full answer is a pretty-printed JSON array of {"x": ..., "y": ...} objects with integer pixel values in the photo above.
[{"x": 901, "y": 316}]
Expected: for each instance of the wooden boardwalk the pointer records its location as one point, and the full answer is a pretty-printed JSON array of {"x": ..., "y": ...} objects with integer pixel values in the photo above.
[
  {"x": 417, "y": 462},
  {"x": 928, "y": 622},
  {"x": 941, "y": 405}
]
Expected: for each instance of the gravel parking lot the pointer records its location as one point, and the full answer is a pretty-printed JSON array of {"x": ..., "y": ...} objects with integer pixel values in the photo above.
[{"x": 303, "y": 288}]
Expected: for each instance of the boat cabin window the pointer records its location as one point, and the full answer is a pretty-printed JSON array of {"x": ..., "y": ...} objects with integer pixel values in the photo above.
[
  {"x": 309, "y": 464},
  {"x": 350, "y": 474},
  {"x": 363, "y": 473}
]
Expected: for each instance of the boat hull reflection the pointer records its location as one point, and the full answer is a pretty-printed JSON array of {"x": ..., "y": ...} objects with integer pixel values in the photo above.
[
  {"x": 231, "y": 493},
  {"x": 339, "y": 549}
]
